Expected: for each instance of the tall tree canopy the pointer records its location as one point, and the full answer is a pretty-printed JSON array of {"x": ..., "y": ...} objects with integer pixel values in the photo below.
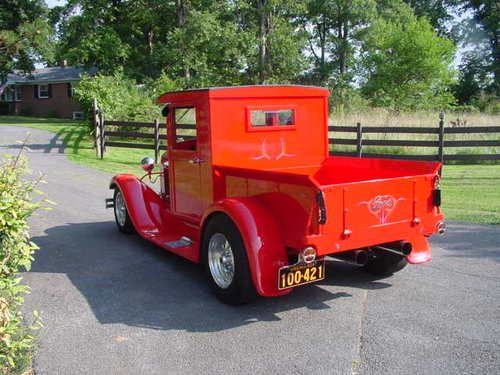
[
  {"x": 24, "y": 35},
  {"x": 407, "y": 66},
  {"x": 394, "y": 52}
]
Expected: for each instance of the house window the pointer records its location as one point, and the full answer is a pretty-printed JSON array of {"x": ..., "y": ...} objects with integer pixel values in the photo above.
[
  {"x": 7, "y": 95},
  {"x": 43, "y": 91},
  {"x": 18, "y": 94},
  {"x": 78, "y": 116},
  {"x": 71, "y": 90}
]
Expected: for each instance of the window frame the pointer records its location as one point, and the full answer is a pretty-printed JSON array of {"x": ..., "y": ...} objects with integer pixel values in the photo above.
[
  {"x": 18, "y": 94},
  {"x": 270, "y": 128},
  {"x": 174, "y": 125},
  {"x": 8, "y": 95},
  {"x": 48, "y": 92}
]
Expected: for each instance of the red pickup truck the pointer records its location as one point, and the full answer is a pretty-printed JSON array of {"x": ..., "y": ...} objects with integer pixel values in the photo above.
[{"x": 249, "y": 190}]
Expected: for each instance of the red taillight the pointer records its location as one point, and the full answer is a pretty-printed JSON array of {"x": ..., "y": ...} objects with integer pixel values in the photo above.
[{"x": 320, "y": 200}]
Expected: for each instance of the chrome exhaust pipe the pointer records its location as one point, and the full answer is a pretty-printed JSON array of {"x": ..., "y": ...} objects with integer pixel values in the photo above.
[
  {"x": 402, "y": 248},
  {"x": 441, "y": 227},
  {"x": 359, "y": 257}
]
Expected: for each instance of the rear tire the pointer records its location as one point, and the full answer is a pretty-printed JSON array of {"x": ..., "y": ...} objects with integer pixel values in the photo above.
[
  {"x": 226, "y": 263},
  {"x": 385, "y": 263},
  {"x": 122, "y": 218}
]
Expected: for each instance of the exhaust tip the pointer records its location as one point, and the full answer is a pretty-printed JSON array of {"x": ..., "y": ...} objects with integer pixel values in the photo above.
[
  {"x": 406, "y": 248},
  {"x": 441, "y": 227}
]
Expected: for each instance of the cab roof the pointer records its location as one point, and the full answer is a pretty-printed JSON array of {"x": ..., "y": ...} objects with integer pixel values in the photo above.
[{"x": 255, "y": 91}]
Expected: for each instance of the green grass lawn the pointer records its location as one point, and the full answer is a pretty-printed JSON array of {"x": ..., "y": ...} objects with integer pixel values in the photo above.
[
  {"x": 78, "y": 141},
  {"x": 470, "y": 192}
]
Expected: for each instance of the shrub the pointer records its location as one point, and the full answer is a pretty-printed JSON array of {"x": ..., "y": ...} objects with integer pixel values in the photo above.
[
  {"x": 16, "y": 254},
  {"x": 121, "y": 98}
]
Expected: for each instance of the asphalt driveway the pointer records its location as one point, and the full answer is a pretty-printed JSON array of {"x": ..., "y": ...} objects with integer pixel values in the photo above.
[{"x": 114, "y": 304}]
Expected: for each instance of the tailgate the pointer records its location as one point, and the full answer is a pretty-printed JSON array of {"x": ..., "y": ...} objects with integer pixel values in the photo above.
[{"x": 366, "y": 213}]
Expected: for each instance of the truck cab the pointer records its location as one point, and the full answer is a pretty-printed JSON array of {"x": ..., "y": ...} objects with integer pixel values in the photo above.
[{"x": 248, "y": 189}]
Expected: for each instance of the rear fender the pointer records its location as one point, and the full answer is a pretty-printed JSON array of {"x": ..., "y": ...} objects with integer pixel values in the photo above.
[
  {"x": 262, "y": 239},
  {"x": 143, "y": 204},
  {"x": 421, "y": 251}
]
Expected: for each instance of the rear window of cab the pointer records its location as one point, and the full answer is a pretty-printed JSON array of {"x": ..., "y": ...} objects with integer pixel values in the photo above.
[{"x": 270, "y": 119}]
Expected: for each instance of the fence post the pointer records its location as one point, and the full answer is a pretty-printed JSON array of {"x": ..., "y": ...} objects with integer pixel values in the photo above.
[
  {"x": 359, "y": 140},
  {"x": 102, "y": 139},
  {"x": 157, "y": 140},
  {"x": 441, "y": 137},
  {"x": 97, "y": 128}
]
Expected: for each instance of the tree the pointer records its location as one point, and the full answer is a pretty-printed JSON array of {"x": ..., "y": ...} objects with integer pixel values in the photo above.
[
  {"x": 336, "y": 30},
  {"x": 407, "y": 66},
  {"x": 437, "y": 12},
  {"x": 90, "y": 36},
  {"x": 474, "y": 78},
  {"x": 273, "y": 46},
  {"x": 25, "y": 35},
  {"x": 487, "y": 15}
]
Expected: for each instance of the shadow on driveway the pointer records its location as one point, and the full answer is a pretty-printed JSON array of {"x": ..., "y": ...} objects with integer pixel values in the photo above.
[
  {"x": 127, "y": 280},
  {"x": 467, "y": 240}
]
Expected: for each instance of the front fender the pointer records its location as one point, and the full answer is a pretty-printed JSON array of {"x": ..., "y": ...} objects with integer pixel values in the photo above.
[
  {"x": 263, "y": 241},
  {"x": 143, "y": 204}
]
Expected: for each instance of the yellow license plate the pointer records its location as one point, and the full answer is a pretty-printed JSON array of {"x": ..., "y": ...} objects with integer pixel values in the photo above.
[{"x": 301, "y": 273}]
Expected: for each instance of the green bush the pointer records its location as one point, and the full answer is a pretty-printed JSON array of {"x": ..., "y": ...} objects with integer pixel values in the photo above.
[
  {"x": 121, "y": 98},
  {"x": 16, "y": 254}
]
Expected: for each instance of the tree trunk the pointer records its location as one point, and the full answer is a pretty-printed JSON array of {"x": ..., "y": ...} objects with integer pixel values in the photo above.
[
  {"x": 262, "y": 40},
  {"x": 496, "y": 63},
  {"x": 180, "y": 8}
]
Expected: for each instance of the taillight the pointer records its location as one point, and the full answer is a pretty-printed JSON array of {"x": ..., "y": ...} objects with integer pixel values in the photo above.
[
  {"x": 320, "y": 200},
  {"x": 436, "y": 193}
]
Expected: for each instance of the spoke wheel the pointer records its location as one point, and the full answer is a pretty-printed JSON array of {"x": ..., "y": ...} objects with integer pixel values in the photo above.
[
  {"x": 121, "y": 214},
  {"x": 226, "y": 262},
  {"x": 120, "y": 209},
  {"x": 221, "y": 260}
]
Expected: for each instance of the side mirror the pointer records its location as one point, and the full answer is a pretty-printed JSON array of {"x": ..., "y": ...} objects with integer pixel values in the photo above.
[{"x": 147, "y": 164}]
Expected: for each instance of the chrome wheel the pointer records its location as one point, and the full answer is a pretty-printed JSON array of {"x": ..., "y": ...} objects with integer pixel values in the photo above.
[
  {"x": 120, "y": 209},
  {"x": 221, "y": 260}
]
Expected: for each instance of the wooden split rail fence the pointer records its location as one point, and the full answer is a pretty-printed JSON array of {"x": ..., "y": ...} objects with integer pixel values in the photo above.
[
  {"x": 440, "y": 143},
  {"x": 109, "y": 134}
]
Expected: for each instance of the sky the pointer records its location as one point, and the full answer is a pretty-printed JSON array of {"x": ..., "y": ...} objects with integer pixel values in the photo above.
[{"x": 53, "y": 3}]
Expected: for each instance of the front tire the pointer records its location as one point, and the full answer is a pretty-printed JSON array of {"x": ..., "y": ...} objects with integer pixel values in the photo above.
[
  {"x": 226, "y": 263},
  {"x": 122, "y": 218}
]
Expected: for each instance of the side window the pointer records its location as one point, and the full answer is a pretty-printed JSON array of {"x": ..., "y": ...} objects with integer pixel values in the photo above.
[
  {"x": 260, "y": 118},
  {"x": 185, "y": 128}
]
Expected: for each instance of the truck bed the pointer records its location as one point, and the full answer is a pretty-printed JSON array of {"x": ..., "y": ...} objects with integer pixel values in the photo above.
[
  {"x": 367, "y": 201},
  {"x": 343, "y": 170},
  {"x": 374, "y": 201}
]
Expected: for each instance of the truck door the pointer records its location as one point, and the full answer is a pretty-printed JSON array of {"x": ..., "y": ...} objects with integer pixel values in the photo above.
[{"x": 185, "y": 162}]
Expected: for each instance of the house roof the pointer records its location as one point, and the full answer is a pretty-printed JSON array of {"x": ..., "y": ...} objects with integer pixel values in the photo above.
[{"x": 53, "y": 74}]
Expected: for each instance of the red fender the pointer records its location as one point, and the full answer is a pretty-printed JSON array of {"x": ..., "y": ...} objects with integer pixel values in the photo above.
[
  {"x": 421, "y": 251},
  {"x": 265, "y": 248},
  {"x": 143, "y": 204}
]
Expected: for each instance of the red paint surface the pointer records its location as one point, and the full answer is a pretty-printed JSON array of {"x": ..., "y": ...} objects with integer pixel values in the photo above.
[{"x": 266, "y": 181}]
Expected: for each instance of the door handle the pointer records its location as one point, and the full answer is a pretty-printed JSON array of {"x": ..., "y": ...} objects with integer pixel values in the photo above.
[{"x": 196, "y": 160}]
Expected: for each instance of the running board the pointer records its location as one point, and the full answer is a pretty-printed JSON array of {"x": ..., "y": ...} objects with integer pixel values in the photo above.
[{"x": 182, "y": 242}]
